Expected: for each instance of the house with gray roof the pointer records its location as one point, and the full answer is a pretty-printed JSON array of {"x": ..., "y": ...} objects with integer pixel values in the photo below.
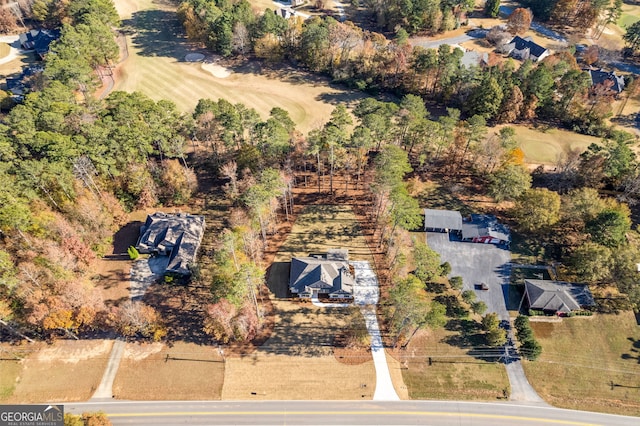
[
  {"x": 600, "y": 77},
  {"x": 557, "y": 297},
  {"x": 485, "y": 228},
  {"x": 442, "y": 220},
  {"x": 525, "y": 48},
  {"x": 328, "y": 274},
  {"x": 177, "y": 236}
]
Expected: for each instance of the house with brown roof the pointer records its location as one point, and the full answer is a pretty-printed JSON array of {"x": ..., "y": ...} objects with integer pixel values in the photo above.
[
  {"x": 557, "y": 297},
  {"x": 328, "y": 274}
]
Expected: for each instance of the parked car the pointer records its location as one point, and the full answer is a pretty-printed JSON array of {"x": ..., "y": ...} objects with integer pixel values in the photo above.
[{"x": 482, "y": 286}]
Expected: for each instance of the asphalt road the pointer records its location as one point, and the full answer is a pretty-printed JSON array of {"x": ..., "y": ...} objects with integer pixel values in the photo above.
[{"x": 441, "y": 413}]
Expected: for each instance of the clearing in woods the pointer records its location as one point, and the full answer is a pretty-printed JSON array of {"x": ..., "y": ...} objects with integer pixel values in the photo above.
[{"x": 297, "y": 361}]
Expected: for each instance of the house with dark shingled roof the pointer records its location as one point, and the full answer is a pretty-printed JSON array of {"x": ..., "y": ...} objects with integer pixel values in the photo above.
[
  {"x": 525, "y": 48},
  {"x": 328, "y": 274},
  {"x": 177, "y": 236},
  {"x": 557, "y": 297}
]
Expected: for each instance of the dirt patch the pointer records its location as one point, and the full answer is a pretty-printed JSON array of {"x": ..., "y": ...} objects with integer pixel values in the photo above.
[
  {"x": 140, "y": 351},
  {"x": 350, "y": 355},
  {"x": 72, "y": 352},
  {"x": 543, "y": 329},
  {"x": 284, "y": 377}
]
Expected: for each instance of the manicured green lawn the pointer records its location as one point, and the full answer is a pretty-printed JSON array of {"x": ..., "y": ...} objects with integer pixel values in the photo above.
[
  {"x": 582, "y": 357},
  {"x": 546, "y": 147}
]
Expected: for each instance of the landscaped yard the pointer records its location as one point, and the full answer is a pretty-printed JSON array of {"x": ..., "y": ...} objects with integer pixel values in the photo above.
[
  {"x": 589, "y": 363},
  {"x": 183, "y": 371}
]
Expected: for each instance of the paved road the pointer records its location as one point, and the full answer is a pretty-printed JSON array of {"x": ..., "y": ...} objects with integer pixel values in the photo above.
[
  {"x": 441, "y": 413},
  {"x": 486, "y": 263}
]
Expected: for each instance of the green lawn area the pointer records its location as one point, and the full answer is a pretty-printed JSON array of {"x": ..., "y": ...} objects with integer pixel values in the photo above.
[
  {"x": 627, "y": 19},
  {"x": 582, "y": 357},
  {"x": 546, "y": 147}
]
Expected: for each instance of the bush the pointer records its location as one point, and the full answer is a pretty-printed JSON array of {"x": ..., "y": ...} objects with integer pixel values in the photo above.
[
  {"x": 456, "y": 283},
  {"x": 468, "y": 296},
  {"x": 445, "y": 269},
  {"x": 531, "y": 349},
  {"x": 133, "y": 253},
  {"x": 479, "y": 307}
]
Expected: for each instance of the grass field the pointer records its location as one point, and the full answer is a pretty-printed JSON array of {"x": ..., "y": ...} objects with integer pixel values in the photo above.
[
  {"x": 546, "y": 147},
  {"x": 582, "y": 357},
  {"x": 4, "y": 50},
  {"x": 461, "y": 377},
  {"x": 184, "y": 371},
  {"x": 67, "y": 370},
  {"x": 156, "y": 67},
  {"x": 630, "y": 14}
]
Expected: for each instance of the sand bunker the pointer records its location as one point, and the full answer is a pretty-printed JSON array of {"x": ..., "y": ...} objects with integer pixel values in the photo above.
[
  {"x": 216, "y": 70},
  {"x": 194, "y": 57}
]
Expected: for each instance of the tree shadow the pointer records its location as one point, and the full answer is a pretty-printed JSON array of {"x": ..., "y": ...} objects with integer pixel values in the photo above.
[
  {"x": 469, "y": 335},
  {"x": 158, "y": 33},
  {"x": 125, "y": 237},
  {"x": 278, "y": 279},
  {"x": 635, "y": 350}
]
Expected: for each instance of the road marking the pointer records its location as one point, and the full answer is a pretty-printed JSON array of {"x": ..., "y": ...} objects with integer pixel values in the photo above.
[{"x": 351, "y": 413}]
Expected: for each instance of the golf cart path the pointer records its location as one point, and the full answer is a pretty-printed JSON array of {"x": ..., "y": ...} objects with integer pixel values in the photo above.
[{"x": 365, "y": 295}]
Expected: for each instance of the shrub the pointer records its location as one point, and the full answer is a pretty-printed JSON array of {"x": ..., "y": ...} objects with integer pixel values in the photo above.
[
  {"x": 531, "y": 349},
  {"x": 133, "y": 253},
  {"x": 445, "y": 269},
  {"x": 456, "y": 283}
]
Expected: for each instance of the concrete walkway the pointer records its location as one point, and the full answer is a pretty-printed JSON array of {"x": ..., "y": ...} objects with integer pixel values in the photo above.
[{"x": 105, "y": 389}]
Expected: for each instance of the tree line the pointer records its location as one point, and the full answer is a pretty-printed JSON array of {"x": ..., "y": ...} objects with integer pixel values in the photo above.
[{"x": 555, "y": 90}]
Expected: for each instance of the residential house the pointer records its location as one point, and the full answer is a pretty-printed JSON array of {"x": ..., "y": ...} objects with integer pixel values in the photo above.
[
  {"x": 442, "y": 220},
  {"x": 328, "y": 274},
  {"x": 486, "y": 229},
  {"x": 296, "y": 3},
  {"x": 39, "y": 41},
  {"x": 177, "y": 236},
  {"x": 525, "y": 48},
  {"x": 600, "y": 77},
  {"x": 557, "y": 297}
]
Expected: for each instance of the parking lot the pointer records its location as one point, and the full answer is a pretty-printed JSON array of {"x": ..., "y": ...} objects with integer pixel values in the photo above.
[{"x": 477, "y": 264}]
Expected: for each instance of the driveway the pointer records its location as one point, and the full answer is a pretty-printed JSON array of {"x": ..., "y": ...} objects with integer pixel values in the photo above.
[
  {"x": 489, "y": 264},
  {"x": 365, "y": 295},
  {"x": 477, "y": 263},
  {"x": 451, "y": 41}
]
